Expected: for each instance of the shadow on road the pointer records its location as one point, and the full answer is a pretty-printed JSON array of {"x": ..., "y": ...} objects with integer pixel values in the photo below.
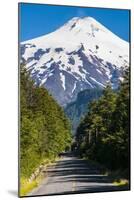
[{"x": 86, "y": 176}]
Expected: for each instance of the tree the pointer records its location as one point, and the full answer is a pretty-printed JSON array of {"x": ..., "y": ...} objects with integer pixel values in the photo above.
[
  {"x": 44, "y": 128},
  {"x": 104, "y": 132}
]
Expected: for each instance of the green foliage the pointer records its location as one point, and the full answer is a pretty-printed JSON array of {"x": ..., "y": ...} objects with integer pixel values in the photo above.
[
  {"x": 27, "y": 186},
  {"x": 44, "y": 129},
  {"x": 103, "y": 135}
]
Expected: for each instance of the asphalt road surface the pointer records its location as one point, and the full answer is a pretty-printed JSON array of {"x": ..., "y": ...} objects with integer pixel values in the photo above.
[{"x": 73, "y": 175}]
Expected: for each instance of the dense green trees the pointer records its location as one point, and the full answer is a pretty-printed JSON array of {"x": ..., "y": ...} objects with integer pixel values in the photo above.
[
  {"x": 103, "y": 135},
  {"x": 44, "y": 129}
]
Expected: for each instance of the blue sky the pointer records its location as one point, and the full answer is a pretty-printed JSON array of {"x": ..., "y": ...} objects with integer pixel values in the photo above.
[{"x": 37, "y": 19}]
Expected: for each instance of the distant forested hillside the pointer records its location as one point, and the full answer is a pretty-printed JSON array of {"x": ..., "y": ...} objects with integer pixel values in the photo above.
[{"x": 75, "y": 111}]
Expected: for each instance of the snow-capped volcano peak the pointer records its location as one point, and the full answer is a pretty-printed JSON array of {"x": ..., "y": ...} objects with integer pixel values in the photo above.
[
  {"x": 85, "y": 24},
  {"x": 80, "y": 54}
]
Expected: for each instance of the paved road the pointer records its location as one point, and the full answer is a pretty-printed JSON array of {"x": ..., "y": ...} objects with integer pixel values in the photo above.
[{"x": 73, "y": 175}]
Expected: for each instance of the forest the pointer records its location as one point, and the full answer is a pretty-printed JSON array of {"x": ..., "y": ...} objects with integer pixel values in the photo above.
[
  {"x": 44, "y": 128},
  {"x": 104, "y": 133}
]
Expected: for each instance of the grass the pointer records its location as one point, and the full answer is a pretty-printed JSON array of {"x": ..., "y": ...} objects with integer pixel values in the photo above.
[
  {"x": 27, "y": 186},
  {"x": 121, "y": 182},
  {"x": 119, "y": 177}
]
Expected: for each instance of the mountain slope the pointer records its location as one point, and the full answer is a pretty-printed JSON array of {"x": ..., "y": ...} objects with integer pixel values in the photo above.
[
  {"x": 82, "y": 54},
  {"x": 76, "y": 110}
]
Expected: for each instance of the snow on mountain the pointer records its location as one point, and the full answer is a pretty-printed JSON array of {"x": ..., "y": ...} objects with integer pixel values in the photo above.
[{"x": 79, "y": 55}]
